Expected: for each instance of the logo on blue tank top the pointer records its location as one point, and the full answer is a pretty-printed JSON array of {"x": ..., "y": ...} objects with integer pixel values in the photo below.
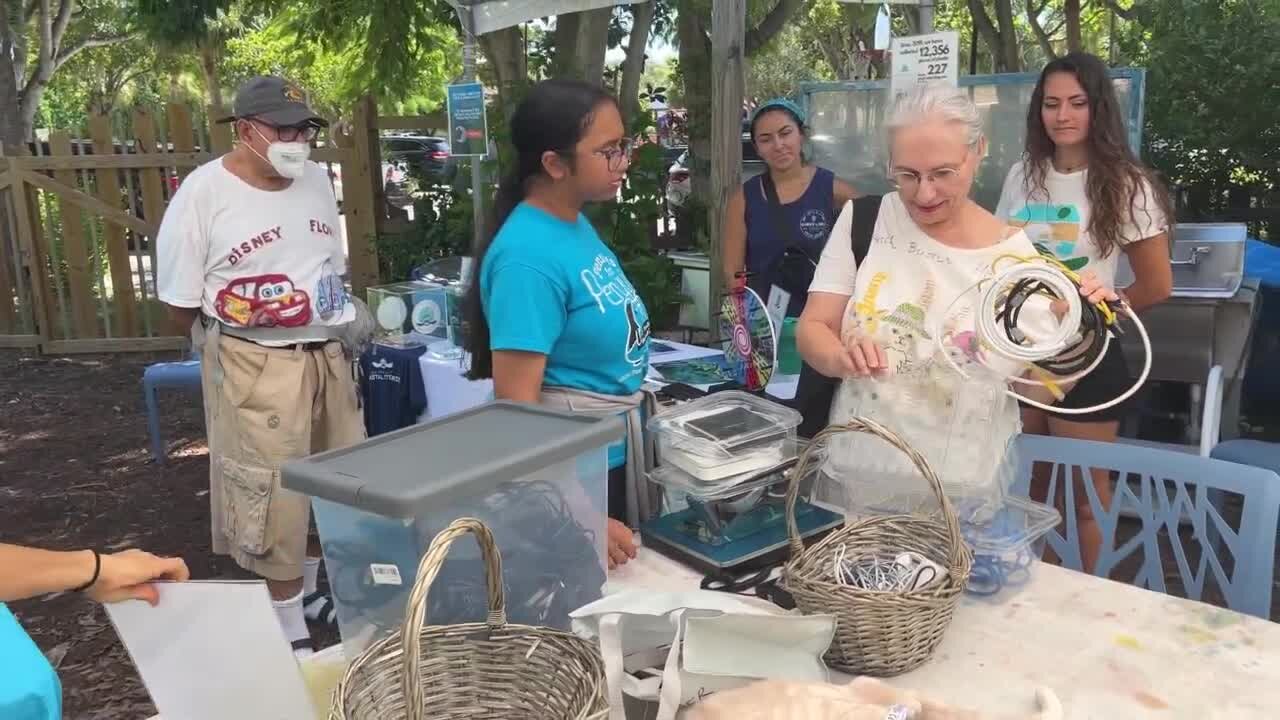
[{"x": 813, "y": 224}]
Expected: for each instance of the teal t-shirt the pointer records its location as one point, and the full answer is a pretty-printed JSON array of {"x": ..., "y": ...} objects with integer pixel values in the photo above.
[
  {"x": 554, "y": 288},
  {"x": 29, "y": 688}
]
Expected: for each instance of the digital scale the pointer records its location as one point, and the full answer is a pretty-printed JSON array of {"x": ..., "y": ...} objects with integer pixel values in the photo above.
[
  {"x": 744, "y": 531},
  {"x": 724, "y": 481}
]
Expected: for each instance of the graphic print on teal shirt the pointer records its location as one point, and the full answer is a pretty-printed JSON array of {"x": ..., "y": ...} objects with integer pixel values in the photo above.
[
  {"x": 553, "y": 287},
  {"x": 1054, "y": 230}
]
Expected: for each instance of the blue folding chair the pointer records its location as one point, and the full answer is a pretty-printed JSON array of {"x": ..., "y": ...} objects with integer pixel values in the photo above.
[
  {"x": 185, "y": 373},
  {"x": 1164, "y": 488}
]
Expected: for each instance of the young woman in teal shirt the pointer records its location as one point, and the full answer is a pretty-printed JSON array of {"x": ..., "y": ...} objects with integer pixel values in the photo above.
[{"x": 552, "y": 317}]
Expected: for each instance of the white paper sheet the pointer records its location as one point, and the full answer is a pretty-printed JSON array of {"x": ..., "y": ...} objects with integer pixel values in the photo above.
[{"x": 212, "y": 651}]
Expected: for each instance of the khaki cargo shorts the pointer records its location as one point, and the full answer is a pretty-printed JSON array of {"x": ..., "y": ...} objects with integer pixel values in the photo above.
[{"x": 265, "y": 406}]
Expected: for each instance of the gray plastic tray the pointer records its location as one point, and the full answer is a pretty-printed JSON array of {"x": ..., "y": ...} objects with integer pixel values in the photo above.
[{"x": 405, "y": 473}]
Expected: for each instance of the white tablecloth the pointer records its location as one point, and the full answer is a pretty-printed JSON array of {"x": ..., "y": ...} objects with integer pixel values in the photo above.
[
  {"x": 448, "y": 391},
  {"x": 1110, "y": 651}
]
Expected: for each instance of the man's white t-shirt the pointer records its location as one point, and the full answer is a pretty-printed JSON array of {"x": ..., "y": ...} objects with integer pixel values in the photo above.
[
  {"x": 254, "y": 258},
  {"x": 1057, "y": 219},
  {"x": 915, "y": 297}
]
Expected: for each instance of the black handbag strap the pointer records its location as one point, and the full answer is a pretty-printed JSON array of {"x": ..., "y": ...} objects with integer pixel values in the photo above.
[
  {"x": 814, "y": 391},
  {"x": 865, "y": 210}
]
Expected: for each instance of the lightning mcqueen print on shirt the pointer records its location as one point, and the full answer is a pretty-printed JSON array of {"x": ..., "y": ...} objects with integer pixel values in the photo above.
[{"x": 263, "y": 301}]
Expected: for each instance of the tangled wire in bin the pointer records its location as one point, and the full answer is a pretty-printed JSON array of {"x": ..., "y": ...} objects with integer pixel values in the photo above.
[
  {"x": 538, "y": 535},
  {"x": 992, "y": 573}
]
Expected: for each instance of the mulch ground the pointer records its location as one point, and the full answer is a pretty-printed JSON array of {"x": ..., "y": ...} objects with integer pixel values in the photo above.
[{"x": 75, "y": 472}]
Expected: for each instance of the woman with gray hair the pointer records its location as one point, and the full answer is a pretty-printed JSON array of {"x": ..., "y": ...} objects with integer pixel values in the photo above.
[{"x": 880, "y": 326}]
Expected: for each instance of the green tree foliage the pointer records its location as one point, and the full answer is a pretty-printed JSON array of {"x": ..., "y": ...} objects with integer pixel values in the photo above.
[
  {"x": 180, "y": 23},
  {"x": 783, "y": 64},
  {"x": 1213, "y": 83},
  {"x": 393, "y": 48}
]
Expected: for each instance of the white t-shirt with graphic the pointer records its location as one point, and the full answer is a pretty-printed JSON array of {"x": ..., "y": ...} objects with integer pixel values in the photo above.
[
  {"x": 915, "y": 297},
  {"x": 1057, "y": 219},
  {"x": 251, "y": 257}
]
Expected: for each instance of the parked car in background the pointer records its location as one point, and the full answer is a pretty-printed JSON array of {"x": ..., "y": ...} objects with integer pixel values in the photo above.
[
  {"x": 680, "y": 184},
  {"x": 422, "y": 157}
]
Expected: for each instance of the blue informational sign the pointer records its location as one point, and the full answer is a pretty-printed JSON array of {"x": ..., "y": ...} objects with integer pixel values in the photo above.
[{"x": 468, "y": 129}]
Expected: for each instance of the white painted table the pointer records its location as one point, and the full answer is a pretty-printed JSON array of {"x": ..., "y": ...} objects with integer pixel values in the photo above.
[{"x": 1110, "y": 651}]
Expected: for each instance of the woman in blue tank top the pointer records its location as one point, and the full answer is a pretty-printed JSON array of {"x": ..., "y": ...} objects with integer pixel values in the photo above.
[{"x": 777, "y": 224}]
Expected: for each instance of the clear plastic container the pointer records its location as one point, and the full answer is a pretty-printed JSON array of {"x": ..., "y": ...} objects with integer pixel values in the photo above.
[
  {"x": 733, "y": 524},
  {"x": 536, "y": 477},
  {"x": 421, "y": 310},
  {"x": 962, "y": 427},
  {"x": 725, "y": 434},
  {"x": 1008, "y": 546}
]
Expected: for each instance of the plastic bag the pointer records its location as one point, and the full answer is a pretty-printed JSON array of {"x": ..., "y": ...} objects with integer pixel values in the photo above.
[{"x": 962, "y": 426}]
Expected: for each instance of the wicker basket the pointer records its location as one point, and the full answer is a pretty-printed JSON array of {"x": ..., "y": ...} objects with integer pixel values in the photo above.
[
  {"x": 490, "y": 669},
  {"x": 878, "y": 633}
]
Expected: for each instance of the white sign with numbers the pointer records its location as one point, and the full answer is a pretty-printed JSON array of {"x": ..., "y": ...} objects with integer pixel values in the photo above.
[{"x": 920, "y": 59}]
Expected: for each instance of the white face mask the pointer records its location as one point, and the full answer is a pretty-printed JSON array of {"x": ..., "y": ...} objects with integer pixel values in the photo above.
[{"x": 288, "y": 158}]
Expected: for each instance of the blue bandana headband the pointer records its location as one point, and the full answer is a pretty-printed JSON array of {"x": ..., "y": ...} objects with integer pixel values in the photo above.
[{"x": 778, "y": 104}]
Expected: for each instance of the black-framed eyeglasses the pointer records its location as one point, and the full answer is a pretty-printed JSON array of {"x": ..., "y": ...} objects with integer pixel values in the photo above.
[
  {"x": 617, "y": 156},
  {"x": 292, "y": 133}
]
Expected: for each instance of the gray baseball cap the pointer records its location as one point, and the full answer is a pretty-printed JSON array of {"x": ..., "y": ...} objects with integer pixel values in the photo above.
[{"x": 275, "y": 101}]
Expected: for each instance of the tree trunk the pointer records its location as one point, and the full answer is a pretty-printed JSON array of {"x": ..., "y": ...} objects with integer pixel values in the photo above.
[
  {"x": 1042, "y": 37},
  {"x": 1075, "y": 39},
  {"x": 1001, "y": 36},
  {"x": 633, "y": 66},
  {"x": 209, "y": 56},
  {"x": 756, "y": 38},
  {"x": 695, "y": 66},
  {"x": 566, "y": 38},
  {"x": 505, "y": 52},
  {"x": 728, "y": 20},
  {"x": 11, "y": 130},
  {"x": 1012, "y": 61},
  {"x": 593, "y": 42}
]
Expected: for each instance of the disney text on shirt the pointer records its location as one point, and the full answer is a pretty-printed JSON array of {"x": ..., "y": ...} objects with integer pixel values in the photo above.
[{"x": 262, "y": 239}]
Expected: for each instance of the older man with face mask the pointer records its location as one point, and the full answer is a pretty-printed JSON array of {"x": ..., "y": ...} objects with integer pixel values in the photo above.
[{"x": 250, "y": 258}]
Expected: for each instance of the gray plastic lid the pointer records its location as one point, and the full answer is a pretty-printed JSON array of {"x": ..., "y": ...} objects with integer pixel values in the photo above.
[{"x": 408, "y": 472}]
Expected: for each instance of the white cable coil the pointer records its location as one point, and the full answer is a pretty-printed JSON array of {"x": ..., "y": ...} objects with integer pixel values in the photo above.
[{"x": 1064, "y": 339}]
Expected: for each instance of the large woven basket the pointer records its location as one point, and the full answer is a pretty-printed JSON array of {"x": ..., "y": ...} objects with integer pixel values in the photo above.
[
  {"x": 475, "y": 670},
  {"x": 878, "y": 633}
]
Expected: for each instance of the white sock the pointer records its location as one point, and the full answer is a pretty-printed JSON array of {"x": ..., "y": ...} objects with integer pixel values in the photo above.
[
  {"x": 295, "y": 625},
  {"x": 310, "y": 571}
]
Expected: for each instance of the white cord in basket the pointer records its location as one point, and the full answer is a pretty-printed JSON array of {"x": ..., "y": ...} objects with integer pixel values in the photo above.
[
  {"x": 991, "y": 336},
  {"x": 907, "y": 572}
]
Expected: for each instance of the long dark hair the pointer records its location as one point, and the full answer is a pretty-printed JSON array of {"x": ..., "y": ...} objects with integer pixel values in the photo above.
[
  {"x": 1116, "y": 177},
  {"x": 553, "y": 117}
]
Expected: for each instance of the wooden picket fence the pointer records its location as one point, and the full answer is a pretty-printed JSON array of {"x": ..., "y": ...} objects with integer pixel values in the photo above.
[{"x": 79, "y": 218}]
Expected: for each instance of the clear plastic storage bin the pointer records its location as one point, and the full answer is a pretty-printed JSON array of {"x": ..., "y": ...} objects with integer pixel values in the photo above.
[
  {"x": 416, "y": 309},
  {"x": 1007, "y": 548},
  {"x": 536, "y": 477},
  {"x": 725, "y": 434}
]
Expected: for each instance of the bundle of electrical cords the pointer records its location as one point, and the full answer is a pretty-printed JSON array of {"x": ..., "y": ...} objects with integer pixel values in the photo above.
[
  {"x": 990, "y": 573},
  {"x": 1072, "y": 351}
]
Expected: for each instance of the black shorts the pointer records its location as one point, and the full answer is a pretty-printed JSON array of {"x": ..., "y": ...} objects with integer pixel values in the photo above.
[
  {"x": 1108, "y": 381},
  {"x": 618, "y": 493}
]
